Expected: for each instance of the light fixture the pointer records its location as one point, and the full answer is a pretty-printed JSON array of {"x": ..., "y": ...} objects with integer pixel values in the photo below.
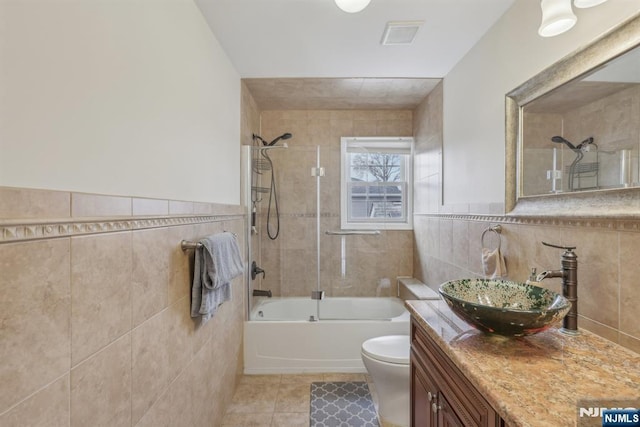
[
  {"x": 587, "y": 3},
  {"x": 352, "y": 6},
  {"x": 557, "y": 17}
]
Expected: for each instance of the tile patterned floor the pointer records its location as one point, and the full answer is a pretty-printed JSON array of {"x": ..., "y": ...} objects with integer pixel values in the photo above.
[{"x": 279, "y": 400}]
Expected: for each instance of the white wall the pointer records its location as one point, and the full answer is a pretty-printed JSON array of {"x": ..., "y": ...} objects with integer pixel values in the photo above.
[
  {"x": 123, "y": 97},
  {"x": 474, "y": 91}
]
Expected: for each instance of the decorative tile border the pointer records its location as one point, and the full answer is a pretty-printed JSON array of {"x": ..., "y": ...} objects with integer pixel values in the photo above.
[
  {"x": 601, "y": 222},
  {"x": 11, "y": 232}
]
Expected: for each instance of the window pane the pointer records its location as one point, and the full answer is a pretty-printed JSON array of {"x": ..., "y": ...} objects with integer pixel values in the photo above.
[
  {"x": 375, "y": 167},
  {"x": 380, "y": 201}
]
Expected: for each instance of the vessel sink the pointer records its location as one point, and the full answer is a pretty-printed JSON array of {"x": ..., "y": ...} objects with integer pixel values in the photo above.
[{"x": 504, "y": 307}]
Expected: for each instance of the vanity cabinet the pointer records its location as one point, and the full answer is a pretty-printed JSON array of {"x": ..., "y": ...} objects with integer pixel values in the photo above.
[{"x": 440, "y": 394}]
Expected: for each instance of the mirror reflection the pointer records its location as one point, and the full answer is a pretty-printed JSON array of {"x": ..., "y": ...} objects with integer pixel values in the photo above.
[{"x": 585, "y": 135}]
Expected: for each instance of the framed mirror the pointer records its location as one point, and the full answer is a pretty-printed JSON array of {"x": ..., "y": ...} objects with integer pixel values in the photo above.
[{"x": 573, "y": 133}]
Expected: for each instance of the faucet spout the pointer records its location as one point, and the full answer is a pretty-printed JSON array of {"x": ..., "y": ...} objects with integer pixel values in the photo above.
[{"x": 549, "y": 274}]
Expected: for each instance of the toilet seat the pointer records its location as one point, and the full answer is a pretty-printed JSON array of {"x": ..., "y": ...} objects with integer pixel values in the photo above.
[{"x": 391, "y": 349}]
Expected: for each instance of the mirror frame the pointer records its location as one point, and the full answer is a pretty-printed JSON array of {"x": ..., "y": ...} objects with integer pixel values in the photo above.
[{"x": 623, "y": 203}]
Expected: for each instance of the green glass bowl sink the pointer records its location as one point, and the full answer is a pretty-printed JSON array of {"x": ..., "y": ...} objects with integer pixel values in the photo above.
[{"x": 504, "y": 307}]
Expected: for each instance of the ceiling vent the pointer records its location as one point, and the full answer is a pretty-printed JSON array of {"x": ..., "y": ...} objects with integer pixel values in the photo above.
[{"x": 400, "y": 32}]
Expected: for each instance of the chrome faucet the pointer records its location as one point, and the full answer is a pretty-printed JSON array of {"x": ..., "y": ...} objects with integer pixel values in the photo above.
[{"x": 569, "y": 274}]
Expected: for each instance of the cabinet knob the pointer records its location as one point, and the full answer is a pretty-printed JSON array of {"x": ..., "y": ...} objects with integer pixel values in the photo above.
[
  {"x": 429, "y": 396},
  {"x": 434, "y": 408}
]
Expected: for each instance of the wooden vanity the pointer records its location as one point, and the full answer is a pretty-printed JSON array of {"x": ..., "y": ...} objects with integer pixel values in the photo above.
[{"x": 462, "y": 377}]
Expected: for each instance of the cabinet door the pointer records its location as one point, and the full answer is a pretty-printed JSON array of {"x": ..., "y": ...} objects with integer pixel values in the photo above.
[
  {"x": 446, "y": 415},
  {"x": 423, "y": 396}
]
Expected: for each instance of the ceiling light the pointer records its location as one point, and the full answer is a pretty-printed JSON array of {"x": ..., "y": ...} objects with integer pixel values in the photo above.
[
  {"x": 400, "y": 32},
  {"x": 587, "y": 3},
  {"x": 557, "y": 17},
  {"x": 352, "y": 6}
]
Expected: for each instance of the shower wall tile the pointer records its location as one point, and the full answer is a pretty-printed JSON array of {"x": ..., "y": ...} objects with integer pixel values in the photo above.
[
  {"x": 177, "y": 207},
  {"x": 97, "y": 205},
  {"x": 151, "y": 259},
  {"x": 598, "y": 276},
  {"x": 180, "y": 263},
  {"x": 173, "y": 408},
  {"x": 629, "y": 284},
  {"x": 629, "y": 342},
  {"x": 460, "y": 251},
  {"x": 150, "y": 206},
  {"x": 48, "y": 407},
  {"x": 149, "y": 363},
  {"x": 101, "y": 387},
  {"x": 180, "y": 335},
  {"x": 31, "y": 204},
  {"x": 101, "y": 302},
  {"x": 34, "y": 314}
]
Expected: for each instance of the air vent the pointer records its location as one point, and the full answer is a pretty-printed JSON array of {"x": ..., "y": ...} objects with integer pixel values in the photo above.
[{"x": 400, "y": 32}]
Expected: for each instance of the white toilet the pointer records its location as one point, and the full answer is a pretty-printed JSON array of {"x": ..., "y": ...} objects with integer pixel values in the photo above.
[{"x": 387, "y": 361}]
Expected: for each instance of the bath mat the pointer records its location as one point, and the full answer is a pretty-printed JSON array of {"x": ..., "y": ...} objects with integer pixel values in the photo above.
[{"x": 342, "y": 404}]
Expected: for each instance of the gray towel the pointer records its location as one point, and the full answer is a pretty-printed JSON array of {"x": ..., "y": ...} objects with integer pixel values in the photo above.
[{"x": 217, "y": 262}]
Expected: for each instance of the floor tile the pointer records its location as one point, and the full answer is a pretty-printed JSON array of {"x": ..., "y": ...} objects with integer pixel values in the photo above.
[
  {"x": 254, "y": 398},
  {"x": 282, "y": 419},
  {"x": 247, "y": 420},
  {"x": 260, "y": 379},
  {"x": 302, "y": 378},
  {"x": 293, "y": 398}
]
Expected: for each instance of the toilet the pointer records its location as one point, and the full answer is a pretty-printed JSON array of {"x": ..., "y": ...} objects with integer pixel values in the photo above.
[{"x": 387, "y": 361}]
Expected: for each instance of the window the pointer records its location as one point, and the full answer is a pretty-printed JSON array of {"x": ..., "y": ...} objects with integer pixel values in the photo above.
[{"x": 376, "y": 183}]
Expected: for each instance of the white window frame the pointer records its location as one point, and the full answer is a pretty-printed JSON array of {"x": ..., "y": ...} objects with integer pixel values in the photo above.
[{"x": 371, "y": 144}]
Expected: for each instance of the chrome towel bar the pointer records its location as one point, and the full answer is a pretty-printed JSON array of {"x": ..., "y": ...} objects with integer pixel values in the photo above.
[
  {"x": 352, "y": 232},
  {"x": 187, "y": 245}
]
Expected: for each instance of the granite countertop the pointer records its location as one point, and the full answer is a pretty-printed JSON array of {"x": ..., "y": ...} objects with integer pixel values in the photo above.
[{"x": 536, "y": 380}]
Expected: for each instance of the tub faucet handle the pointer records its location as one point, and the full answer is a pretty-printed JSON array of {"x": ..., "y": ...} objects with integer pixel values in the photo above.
[{"x": 255, "y": 270}]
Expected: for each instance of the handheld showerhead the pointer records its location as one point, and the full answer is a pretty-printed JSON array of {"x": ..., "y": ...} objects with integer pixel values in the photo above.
[
  {"x": 559, "y": 139},
  {"x": 258, "y": 137},
  {"x": 268, "y": 144},
  {"x": 283, "y": 136}
]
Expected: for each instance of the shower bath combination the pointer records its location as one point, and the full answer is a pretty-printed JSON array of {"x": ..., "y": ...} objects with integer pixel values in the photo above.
[
  {"x": 262, "y": 162},
  {"x": 575, "y": 168}
]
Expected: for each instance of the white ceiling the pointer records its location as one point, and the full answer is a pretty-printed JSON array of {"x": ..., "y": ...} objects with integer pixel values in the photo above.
[{"x": 313, "y": 38}]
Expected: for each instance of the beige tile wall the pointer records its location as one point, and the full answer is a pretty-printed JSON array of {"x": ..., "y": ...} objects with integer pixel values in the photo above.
[
  {"x": 96, "y": 329},
  {"x": 448, "y": 246},
  {"x": 290, "y": 261}
]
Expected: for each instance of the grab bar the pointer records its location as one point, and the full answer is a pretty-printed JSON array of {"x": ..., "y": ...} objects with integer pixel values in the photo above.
[{"x": 352, "y": 232}]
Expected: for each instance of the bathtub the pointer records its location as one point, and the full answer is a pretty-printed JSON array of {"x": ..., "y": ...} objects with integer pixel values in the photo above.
[{"x": 282, "y": 339}]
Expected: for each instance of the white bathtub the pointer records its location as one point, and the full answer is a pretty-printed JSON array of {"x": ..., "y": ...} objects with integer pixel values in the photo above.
[{"x": 282, "y": 339}]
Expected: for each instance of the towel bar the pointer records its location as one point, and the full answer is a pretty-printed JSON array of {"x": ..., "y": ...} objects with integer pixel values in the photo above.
[{"x": 186, "y": 245}]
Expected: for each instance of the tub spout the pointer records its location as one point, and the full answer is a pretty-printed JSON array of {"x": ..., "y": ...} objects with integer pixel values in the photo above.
[{"x": 261, "y": 293}]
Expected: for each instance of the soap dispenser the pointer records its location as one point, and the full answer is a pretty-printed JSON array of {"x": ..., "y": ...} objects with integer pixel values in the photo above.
[{"x": 532, "y": 280}]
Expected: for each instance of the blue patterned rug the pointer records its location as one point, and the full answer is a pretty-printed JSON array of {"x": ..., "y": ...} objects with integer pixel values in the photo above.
[{"x": 342, "y": 404}]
